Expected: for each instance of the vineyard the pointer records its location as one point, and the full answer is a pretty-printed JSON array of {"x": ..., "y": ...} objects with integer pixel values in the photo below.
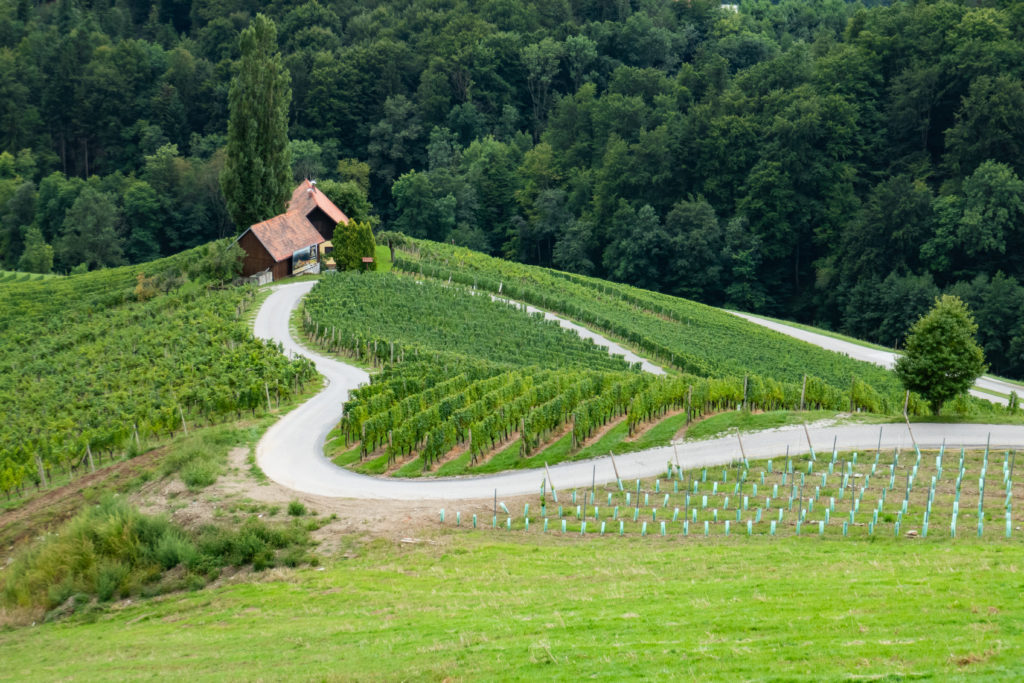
[
  {"x": 913, "y": 493},
  {"x": 93, "y": 365},
  {"x": 469, "y": 384},
  {"x": 691, "y": 337}
]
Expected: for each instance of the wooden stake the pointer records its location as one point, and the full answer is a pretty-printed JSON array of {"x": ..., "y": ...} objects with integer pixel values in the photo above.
[
  {"x": 88, "y": 453},
  {"x": 184, "y": 426},
  {"x": 808, "y": 435},
  {"x": 742, "y": 451},
  {"x": 803, "y": 392},
  {"x": 615, "y": 467},
  {"x": 42, "y": 472},
  {"x": 912, "y": 439},
  {"x": 554, "y": 494},
  {"x": 266, "y": 390}
]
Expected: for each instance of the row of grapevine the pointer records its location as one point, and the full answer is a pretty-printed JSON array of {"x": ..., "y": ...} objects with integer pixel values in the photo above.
[
  {"x": 88, "y": 368},
  {"x": 691, "y": 337},
  {"x": 382, "y": 319}
]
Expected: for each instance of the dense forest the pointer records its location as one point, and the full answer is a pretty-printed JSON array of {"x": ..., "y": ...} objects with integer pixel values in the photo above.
[{"x": 833, "y": 162}]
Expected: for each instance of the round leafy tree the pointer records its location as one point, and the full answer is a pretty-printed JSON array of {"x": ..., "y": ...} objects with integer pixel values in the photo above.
[{"x": 942, "y": 358}]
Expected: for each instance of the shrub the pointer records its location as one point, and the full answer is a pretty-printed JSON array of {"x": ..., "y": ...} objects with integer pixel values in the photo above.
[
  {"x": 112, "y": 550},
  {"x": 296, "y": 509}
]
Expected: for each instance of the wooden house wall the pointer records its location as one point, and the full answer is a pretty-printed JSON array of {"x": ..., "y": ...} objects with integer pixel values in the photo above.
[
  {"x": 257, "y": 258},
  {"x": 282, "y": 269}
]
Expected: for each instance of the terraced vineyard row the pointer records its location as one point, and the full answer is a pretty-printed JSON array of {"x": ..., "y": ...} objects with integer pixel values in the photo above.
[
  {"x": 691, "y": 337},
  {"x": 469, "y": 384},
  {"x": 381, "y": 317},
  {"x": 85, "y": 363}
]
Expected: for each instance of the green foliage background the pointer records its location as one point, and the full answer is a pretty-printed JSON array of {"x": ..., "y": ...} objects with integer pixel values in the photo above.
[{"x": 838, "y": 163}]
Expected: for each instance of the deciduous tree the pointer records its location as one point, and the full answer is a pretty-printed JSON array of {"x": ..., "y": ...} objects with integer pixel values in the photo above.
[{"x": 942, "y": 358}]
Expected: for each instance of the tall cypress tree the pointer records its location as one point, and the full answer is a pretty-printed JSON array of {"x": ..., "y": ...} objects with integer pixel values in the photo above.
[{"x": 256, "y": 180}]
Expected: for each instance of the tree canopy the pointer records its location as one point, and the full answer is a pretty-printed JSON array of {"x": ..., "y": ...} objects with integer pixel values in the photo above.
[
  {"x": 942, "y": 359},
  {"x": 813, "y": 161},
  {"x": 257, "y": 178}
]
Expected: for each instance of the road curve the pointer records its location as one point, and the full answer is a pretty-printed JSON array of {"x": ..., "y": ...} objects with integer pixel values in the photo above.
[
  {"x": 887, "y": 359},
  {"x": 291, "y": 451}
]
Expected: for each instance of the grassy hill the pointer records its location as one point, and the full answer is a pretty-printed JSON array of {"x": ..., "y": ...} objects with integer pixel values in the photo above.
[{"x": 426, "y": 599}]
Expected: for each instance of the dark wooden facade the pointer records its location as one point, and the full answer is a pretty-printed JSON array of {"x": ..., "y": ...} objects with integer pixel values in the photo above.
[
  {"x": 322, "y": 222},
  {"x": 258, "y": 259}
]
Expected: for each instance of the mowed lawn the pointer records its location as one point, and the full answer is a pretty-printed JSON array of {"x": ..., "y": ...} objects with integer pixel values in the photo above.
[{"x": 493, "y": 605}]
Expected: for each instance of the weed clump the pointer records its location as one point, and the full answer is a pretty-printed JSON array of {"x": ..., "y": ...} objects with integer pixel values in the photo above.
[{"x": 112, "y": 551}]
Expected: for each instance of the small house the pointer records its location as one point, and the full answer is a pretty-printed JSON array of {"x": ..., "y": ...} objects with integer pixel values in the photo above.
[{"x": 289, "y": 243}]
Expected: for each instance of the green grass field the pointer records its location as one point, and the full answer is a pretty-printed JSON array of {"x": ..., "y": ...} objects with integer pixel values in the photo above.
[{"x": 477, "y": 606}]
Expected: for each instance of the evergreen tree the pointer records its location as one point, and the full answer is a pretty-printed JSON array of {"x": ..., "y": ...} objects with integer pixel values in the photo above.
[
  {"x": 942, "y": 358},
  {"x": 351, "y": 243},
  {"x": 257, "y": 172}
]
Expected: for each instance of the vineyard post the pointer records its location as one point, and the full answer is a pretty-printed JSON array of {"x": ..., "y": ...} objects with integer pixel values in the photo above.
[
  {"x": 906, "y": 403},
  {"x": 689, "y": 403},
  {"x": 593, "y": 491},
  {"x": 743, "y": 452},
  {"x": 88, "y": 453},
  {"x": 912, "y": 439},
  {"x": 184, "y": 426},
  {"x": 42, "y": 473},
  {"x": 266, "y": 390},
  {"x": 618, "y": 479},
  {"x": 135, "y": 429},
  {"x": 809, "y": 444},
  {"x": 853, "y": 385},
  {"x": 678, "y": 466},
  {"x": 554, "y": 493},
  {"x": 803, "y": 392},
  {"x": 744, "y": 404}
]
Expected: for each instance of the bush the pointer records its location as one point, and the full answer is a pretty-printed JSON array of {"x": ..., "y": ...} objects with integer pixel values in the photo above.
[
  {"x": 200, "y": 474},
  {"x": 112, "y": 550},
  {"x": 199, "y": 458},
  {"x": 173, "y": 550},
  {"x": 296, "y": 509}
]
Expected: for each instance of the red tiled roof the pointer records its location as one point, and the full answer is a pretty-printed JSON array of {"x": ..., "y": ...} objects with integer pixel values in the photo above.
[
  {"x": 285, "y": 234},
  {"x": 307, "y": 197}
]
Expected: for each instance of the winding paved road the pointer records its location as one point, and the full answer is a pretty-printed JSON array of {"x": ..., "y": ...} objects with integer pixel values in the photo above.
[
  {"x": 291, "y": 451},
  {"x": 887, "y": 359}
]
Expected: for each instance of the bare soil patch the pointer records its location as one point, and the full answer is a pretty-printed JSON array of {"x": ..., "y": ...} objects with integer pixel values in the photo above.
[
  {"x": 239, "y": 491},
  {"x": 46, "y": 511}
]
